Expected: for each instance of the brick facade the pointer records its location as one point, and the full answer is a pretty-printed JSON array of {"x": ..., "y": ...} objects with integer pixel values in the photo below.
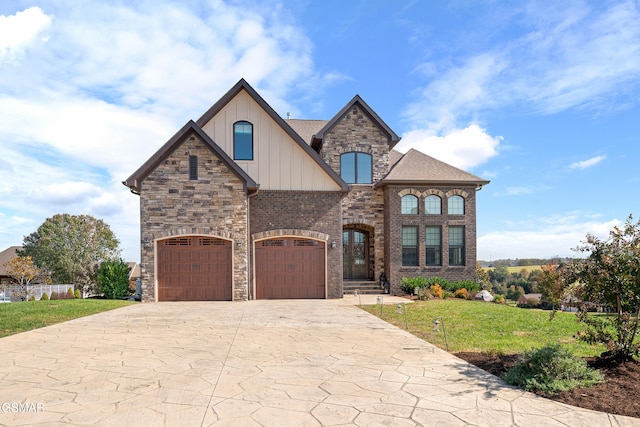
[
  {"x": 173, "y": 205},
  {"x": 363, "y": 207},
  {"x": 395, "y": 220},
  {"x": 299, "y": 213},
  {"x": 226, "y": 200}
]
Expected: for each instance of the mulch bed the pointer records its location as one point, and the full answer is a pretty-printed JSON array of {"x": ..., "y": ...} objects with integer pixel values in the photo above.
[{"x": 618, "y": 394}]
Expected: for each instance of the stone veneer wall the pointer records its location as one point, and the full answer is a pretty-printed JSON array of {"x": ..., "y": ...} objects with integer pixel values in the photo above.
[
  {"x": 395, "y": 220},
  {"x": 303, "y": 210},
  {"x": 363, "y": 205},
  {"x": 213, "y": 205}
]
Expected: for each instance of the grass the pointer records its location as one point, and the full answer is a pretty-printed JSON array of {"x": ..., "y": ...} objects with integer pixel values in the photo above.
[
  {"x": 485, "y": 327},
  {"x": 518, "y": 269},
  {"x": 24, "y": 316}
]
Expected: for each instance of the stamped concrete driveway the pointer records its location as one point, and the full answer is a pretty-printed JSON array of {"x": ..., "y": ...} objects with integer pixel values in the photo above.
[{"x": 258, "y": 363}]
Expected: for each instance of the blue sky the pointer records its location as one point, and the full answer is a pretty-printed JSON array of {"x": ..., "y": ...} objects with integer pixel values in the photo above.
[{"x": 541, "y": 98}]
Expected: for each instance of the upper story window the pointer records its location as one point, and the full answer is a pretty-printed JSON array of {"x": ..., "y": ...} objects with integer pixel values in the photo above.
[
  {"x": 355, "y": 168},
  {"x": 193, "y": 168},
  {"x": 409, "y": 205},
  {"x": 242, "y": 141},
  {"x": 433, "y": 205},
  {"x": 456, "y": 205}
]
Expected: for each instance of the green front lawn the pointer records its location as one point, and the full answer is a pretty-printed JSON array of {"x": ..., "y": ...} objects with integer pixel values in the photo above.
[
  {"x": 19, "y": 317},
  {"x": 486, "y": 327}
]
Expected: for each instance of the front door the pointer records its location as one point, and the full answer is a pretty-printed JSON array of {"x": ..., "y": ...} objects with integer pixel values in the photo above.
[{"x": 355, "y": 257}]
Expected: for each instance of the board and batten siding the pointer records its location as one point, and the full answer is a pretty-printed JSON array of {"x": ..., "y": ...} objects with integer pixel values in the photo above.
[{"x": 279, "y": 162}]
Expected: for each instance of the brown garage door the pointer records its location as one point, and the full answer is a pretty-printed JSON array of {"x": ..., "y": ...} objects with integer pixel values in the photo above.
[
  {"x": 194, "y": 269},
  {"x": 290, "y": 268}
]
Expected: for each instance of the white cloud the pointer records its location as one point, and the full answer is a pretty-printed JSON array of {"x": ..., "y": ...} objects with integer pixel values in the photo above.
[
  {"x": 463, "y": 148},
  {"x": 584, "y": 164},
  {"x": 543, "y": 237},
  {"x": 580, "y": 56},
  {"x": 112, "y": 83},
  {"x": 19, "y": 31}
]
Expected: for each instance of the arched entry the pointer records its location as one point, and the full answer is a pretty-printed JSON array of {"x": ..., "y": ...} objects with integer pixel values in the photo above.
[{"x": 355, "y": 254}]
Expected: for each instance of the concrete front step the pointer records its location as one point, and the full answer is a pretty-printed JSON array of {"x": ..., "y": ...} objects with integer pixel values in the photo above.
[{"x": 365, "y": 288}]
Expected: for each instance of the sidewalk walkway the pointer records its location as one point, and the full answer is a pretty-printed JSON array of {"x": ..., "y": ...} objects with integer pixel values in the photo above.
[{"x": 257, "y": 363}]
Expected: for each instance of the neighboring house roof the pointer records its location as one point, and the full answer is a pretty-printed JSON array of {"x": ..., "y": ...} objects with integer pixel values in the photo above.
[
  {"x": 318, "y": 137},
  {"x": 416, "y": 167},
  {"x": 306, "y": 128},
  {"x": 6, "y": 256},
  {"x": 133, "y": 182},
  {"x": 134, "y": 270},
  {"x": 527, "y": 297},
  {"x": 243, "y": 85}
]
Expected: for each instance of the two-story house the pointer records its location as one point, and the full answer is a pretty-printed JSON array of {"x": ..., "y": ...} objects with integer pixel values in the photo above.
[{"x": 243, "y": 204}]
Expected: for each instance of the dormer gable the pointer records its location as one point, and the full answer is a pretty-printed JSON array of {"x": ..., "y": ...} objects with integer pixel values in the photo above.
[{"x": 358, "y": 102}]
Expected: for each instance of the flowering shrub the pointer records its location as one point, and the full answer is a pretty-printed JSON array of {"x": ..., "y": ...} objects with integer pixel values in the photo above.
[{"x": 436, "y": 291}]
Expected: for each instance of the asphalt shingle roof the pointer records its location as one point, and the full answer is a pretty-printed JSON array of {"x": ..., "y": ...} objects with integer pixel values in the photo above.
[
  {"x": 415, "y": 166},
  {"x": 306, "y": 128}
]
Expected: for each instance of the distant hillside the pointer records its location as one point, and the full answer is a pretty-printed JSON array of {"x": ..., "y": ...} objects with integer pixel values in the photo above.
[{"x": 522, "y": 262}]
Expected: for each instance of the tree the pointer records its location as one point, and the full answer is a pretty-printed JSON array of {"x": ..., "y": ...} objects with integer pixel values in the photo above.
[
  {"x": 551, "y": 284},
  {"x": 482, "y": 276},
  {"x": 610, "y": 277},
  {"x": 71, "y": 247},
  {"x": 499, "y": 274},
  {"x": 113, "y": 278},
  {"x": 24, "y": 272}
]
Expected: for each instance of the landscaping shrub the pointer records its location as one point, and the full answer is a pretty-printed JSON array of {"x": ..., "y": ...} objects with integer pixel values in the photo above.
[
  {"x": 64, "y": 296},
  {"x": 70, "y": 292},
  {"x": 422, "y": 293},
  {"x": 408, "y": 285},
  {"x": 113, "y": 278},
  {"x": 32, "y": 298},
  {"x": 469, "y": 285},
  {"x": 461, "y": 293},
  {"x": 54, "y": 295},
  {"x": 77, "y": 294},
  {"x": 499, "y": 299},
  {"x": 436, "y": 291},
  {"x": 44, "y": 297},
  {"x": 443, "y": 283},
  {"x": 551, "y": 369}
]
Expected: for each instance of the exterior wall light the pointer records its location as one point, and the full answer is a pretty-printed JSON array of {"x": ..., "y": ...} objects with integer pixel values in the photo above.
[{"x": 333, "y": 244}]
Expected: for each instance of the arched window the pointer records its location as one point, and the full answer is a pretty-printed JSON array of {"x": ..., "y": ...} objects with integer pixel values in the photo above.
[
  {"x": 433, "y": 205},
  {"x": 456, "y": 205},
  {"x": 409, "y": 205},
  {"x": 355, "y": 168},
  {"x": 242, "y": 141}
]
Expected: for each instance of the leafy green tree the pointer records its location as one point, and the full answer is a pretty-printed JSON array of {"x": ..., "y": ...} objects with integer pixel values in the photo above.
[
  {"x": 610, "y": 276},
  {"x": 499, "y": 274},
  {"x": 71, "y": 247},
  {"x": 113, "y": 279}
]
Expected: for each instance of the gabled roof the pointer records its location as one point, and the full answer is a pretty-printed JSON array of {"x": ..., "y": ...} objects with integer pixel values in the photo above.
[
  {"x": 306, "y": 128},
  {"x": 133, "y": 182},
  {"x": 416, "y": 168},
  {"x": 243, "y": 85},
  {"x": 318, "y": 137},
  {"x": 6, "y": 256}
]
